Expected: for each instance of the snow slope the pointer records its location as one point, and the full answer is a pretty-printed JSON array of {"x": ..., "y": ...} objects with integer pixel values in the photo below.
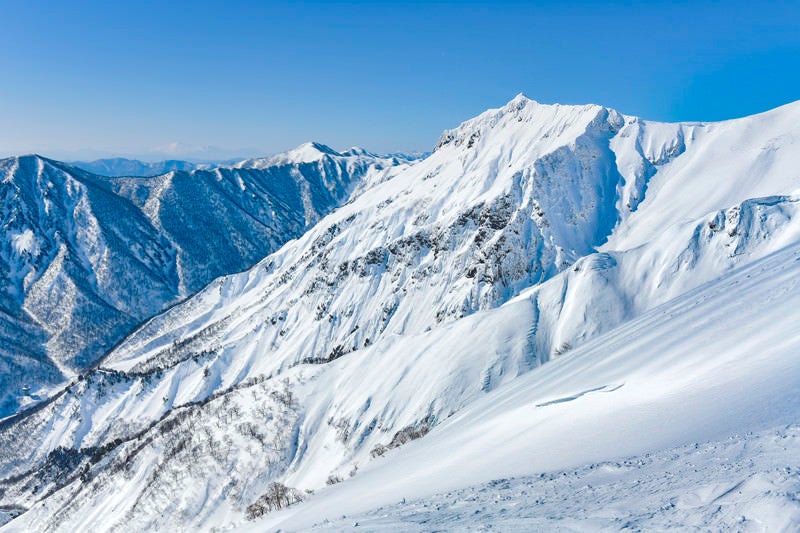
[
  {"x": 702, "y": 367},
  {"x": 85, "y": 258},
  {"x": 747, "y": 482},
  {"x": 526, "y": 236}
]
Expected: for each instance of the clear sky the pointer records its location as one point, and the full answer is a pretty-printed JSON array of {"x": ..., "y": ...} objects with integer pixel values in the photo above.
[{"x": 84, "y": 78}]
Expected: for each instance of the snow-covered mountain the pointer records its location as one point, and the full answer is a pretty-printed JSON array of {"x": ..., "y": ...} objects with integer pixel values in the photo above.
[
  {"x": 313, "y": 151},
  {"x": 614, "y": 245},
  {"x": 86, "y": 258}
]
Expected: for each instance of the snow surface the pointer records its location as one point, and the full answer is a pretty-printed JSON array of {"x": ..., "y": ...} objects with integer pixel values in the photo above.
[
  {"x": 747, "y": 482},
  {"x": 574, "y": 236},
  {"x": 703, "y": 367}
]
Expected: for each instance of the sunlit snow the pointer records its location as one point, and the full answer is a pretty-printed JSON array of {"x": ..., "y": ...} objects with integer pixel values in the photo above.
[{"x": 563, "y": 318}]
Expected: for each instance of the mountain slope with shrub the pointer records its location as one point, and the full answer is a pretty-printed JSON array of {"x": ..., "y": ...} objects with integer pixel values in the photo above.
[{"x": 86, "y": 258}]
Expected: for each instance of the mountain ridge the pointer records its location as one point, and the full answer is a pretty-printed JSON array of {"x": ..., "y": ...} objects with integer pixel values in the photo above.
[{"x": 86, "y": 257}]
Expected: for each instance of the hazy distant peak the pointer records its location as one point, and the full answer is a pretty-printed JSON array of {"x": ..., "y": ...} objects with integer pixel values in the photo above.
[
  {"x": 357, "y": 151},
  {"x": 305, "y": 153}
]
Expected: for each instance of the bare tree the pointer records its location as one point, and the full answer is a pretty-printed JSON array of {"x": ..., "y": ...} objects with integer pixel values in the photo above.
[{"x": 278, "y": 496}]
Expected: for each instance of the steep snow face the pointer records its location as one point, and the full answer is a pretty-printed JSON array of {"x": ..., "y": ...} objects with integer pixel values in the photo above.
[
  {"x": 700, "y": 168},
  {"x": 605, "y": 289},
  {"x": 86, "y": 258},
  {"x": 461, "y": 231},
  {"x": 434, "y": 286}
]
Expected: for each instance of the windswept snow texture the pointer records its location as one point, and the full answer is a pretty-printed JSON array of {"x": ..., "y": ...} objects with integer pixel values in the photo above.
[
  {"x": 86, "y": 258},
  {"x": 746, "y": 482},
  {"x": 396, "y": 349}
]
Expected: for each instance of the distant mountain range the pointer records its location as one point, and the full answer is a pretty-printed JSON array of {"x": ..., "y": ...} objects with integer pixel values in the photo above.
[{"x": 120, "y": 166}]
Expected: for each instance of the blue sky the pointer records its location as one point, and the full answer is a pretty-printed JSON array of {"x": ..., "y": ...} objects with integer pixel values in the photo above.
[{"x": 84, "y": 79}]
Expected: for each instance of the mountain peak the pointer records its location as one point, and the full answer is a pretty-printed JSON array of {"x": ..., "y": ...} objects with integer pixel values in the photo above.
[
  {"x": 308, "y": 152},
  {"x": 31, "y": 161},
  {"x": 25, "y": 157},
  {"x": 520, "y": 100},
  {"x": 525, "y": 117}
]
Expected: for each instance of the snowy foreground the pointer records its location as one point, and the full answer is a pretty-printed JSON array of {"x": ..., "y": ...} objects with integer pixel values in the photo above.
[
  {"x": 647, "y": 426},
  {"x": 554, "y": 287},
  {"x": 747, "y": 482}
]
